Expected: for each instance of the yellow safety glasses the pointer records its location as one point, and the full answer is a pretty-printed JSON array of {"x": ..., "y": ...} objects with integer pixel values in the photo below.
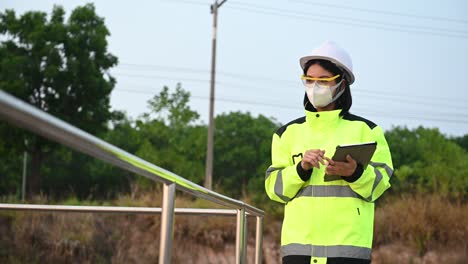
[{"x": 323, "y": 81}]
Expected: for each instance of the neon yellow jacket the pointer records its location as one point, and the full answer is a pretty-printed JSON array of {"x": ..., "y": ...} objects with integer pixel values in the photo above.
[{"x": 326, "y": 218}]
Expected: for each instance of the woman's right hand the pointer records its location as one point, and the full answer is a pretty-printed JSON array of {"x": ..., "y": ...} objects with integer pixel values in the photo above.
[{"x": 312, "y": 159}]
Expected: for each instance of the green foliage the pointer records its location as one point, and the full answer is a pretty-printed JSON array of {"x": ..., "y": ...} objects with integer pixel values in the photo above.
[
  {"x": 462, "y": 141},
  {"x": 242, "y": 152},
  {"x": 170, "y": 137},
  {"x": 59, "y": 67},
  {"x": 426, "y": 161},
  {"x": 11, "y": 169},
  {"x": 173, "y": 109},
  {"x": 67, "y": 172},
  {"x": 71, "y": 173}
]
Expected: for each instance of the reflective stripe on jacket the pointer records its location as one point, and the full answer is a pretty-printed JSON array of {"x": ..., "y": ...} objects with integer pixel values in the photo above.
[{"x": 327, "y": 218}]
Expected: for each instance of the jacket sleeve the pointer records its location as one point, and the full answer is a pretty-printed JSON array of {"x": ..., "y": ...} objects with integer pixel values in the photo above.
[
  {"x": 375, "y": 179},
  {"x": 283, "y": 179}
]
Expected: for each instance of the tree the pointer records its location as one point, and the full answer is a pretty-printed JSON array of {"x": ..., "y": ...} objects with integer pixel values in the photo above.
[
  {"x": 242, "y": 152},
  {"x": 11, "y": 169},
  {"x": 462, "y": 141},
  {"x": 171, "y": 137},
  {"x": 403, "y": 144},
  {"x": 172, "y": 109},
  {"x": 59, "y": 67},
  {"x": 426, "y": 161}
]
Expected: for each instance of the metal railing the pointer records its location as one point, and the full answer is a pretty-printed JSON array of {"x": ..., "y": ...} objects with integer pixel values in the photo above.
[{"x": 39, "y": 122}]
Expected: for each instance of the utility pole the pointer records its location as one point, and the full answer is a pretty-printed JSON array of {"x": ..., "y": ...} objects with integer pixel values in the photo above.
[{"x": 209, "y": 150}]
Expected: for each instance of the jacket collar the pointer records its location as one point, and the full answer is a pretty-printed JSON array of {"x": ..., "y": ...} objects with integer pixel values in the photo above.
[{"x": 323, "y": 118}]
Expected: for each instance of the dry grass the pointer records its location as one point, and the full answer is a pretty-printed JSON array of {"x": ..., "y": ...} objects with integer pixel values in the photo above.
[
  {"x": 408, "y": 230},
  {"x": 33, "y": 237},
  {"x": 423, "y": 223},
  {"x": 401, "y": 254}
]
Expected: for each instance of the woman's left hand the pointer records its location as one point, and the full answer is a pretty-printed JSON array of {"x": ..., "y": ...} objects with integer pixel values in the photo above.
[{"x": 339, "y": 168}]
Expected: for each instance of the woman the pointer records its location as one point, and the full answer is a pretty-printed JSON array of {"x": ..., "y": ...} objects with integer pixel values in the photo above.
[{"x": 327, "y": 220}]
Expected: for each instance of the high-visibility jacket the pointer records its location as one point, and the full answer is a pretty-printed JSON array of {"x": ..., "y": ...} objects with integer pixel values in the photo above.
[{"x": 326, "y": 218}]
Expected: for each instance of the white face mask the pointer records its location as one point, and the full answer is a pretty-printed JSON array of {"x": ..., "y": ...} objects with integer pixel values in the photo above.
[{"x": 322, "y": 95}]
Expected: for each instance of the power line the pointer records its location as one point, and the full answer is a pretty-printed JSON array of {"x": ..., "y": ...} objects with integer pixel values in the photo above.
[
  {"x": 416, "y": 110},
  {"x": 369, "y": 111},
  {"x": 162, "y": 77},
  {"x": 393, "y": 115},
  {"x": 401, "y": 98},
  {"x": 179, "y": 79},
  {"x": 419, "y": 100},
  {"x": 165, "y": 68},
  {"x": 339, "y": 20},
  {"x": 388, "y": 27},
  {"x": 218, "y": 98},
  {"x": 193, "y": 70},
  {"x": 376, "y": 11},
  {"x": 352, "y": 19},
  {"x": 152, "y": 76}
]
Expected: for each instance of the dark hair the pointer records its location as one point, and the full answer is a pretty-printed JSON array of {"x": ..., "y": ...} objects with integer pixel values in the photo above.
[{"x": 345, "y": 101}]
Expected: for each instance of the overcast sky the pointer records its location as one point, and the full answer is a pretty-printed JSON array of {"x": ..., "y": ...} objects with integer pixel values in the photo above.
[{"x": 409, "y": 56}]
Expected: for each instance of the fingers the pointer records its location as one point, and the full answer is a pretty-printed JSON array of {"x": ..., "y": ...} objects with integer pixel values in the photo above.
[
  {"x": 312, "y": 161},
  {"x": 346, "y": 168},
  {"x": 313, "y": 158},
  {"x": 334, "y": 169},
  {"x": 320, "y": 159},
  {"x": 350, "y": 159},
  {"x": 337, "y": 169}
]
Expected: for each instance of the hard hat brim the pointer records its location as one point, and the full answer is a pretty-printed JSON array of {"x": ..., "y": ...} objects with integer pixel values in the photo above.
[{"x": 305, "y": 59}]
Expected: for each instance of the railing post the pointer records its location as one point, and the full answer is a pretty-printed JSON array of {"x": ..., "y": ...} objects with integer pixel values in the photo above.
[
  {"x": 259, "y": 240},
  {"x": 241, "y": 245},
  {"x": 167, "y": 223},
  {"x": 41, "y": 123}
]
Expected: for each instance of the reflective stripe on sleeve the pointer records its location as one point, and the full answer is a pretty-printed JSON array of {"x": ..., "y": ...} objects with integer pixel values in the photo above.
[
  {"x": 378, "y": 176},
  {"x": 269, "y": 171},
  {"x": 383, "y": 165},
  {"x": 326, "y": 251},
  {"x": 327, "y": 190},
  {"x": 279, "y": 186}
]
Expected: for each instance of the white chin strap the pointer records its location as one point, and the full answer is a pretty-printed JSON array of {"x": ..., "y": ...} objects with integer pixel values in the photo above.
[{"x": 338, "y": 94}]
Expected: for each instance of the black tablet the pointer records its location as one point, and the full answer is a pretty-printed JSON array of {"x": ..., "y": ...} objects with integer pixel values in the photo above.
[{"x": 361, "y": 152}]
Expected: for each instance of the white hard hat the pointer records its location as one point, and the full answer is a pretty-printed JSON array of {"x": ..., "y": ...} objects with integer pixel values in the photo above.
[{"x": 332, "y": 52}]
